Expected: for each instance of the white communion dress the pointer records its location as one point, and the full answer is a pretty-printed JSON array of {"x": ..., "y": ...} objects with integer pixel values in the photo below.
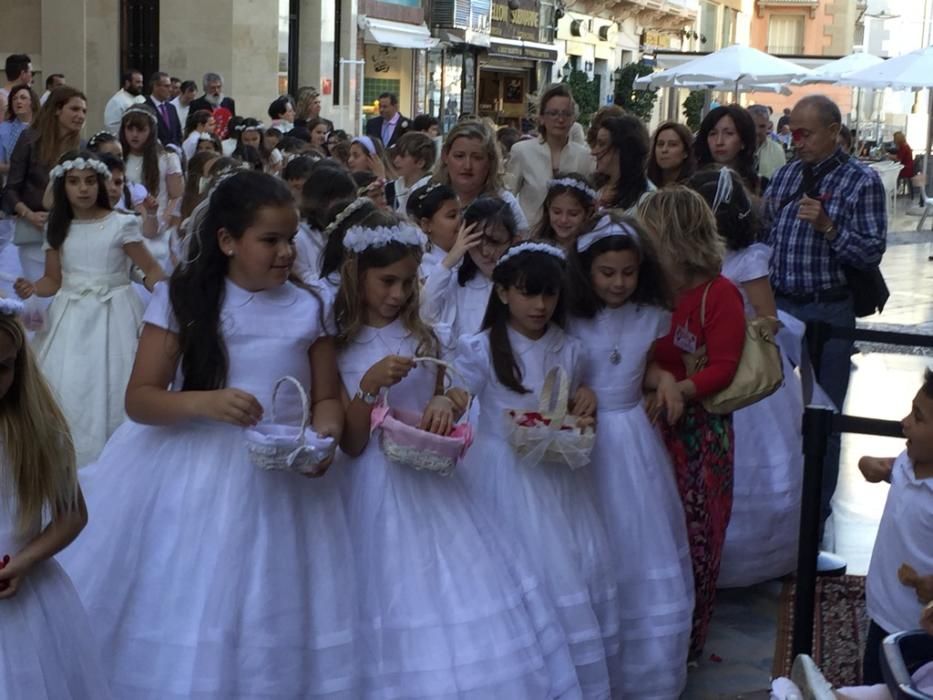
[
  {"x": 451, "y": 309},
  {"x": 46, "y": 648},
  {"x": 205, "y": 576},
  {"x": 448, "y": 611},
  {"x": 761, "y": 540},
  {"x": 548, "y": 508},
  {"x": 88, "y": 345},
  {"x": 639, "y": 502}
]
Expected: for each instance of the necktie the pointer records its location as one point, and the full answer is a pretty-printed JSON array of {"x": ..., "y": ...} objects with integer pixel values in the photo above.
[
  {"x": 164, "y": 109},
  {"x": 386, "y": 132}
]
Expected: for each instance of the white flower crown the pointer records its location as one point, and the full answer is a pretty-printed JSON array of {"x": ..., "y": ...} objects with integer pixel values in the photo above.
[
  {"x": 249, "y": 127},
  {"x": 11, "y": 307},
  {"x": 359, "y": 238},
  {"x": 605, "y": 228},
  {"x": 140, "y": 109},
  {"x": 80, "y": 164},
  {"x": 531, "y": 247},
  {"x": 576, "y": 184}
]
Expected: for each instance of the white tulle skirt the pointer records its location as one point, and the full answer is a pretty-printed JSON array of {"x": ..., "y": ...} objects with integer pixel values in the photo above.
[{"x": 206, "y": 577}]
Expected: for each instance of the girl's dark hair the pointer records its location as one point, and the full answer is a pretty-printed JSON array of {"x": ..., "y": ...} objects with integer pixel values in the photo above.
[
  {"x": 426, "y": 201},
  {"x": 652, "y": 289},
  {"x": 629, "y": 137},
  {"x": 152, "y": 150},
  {"x": 363, "y": 179},
  {"x": 745, "y": 127},
  {"x": 533, "y": 272},
  {"x": 192, "y": 195},
  {"x": 687, "y": 168},
  {"x": 99, "y": 139},
  {"x": 485, "y": 212},
  {"x": 196, "y": 289},
  {"x": 114, "y": 163},
  {"x": 333, "y": 255},
  {"x": 279, "y": 106},
  {"x": 736, "y": 220},
  {"x": 61, "y": 214},
  {"x": 223, "y": 164},
  {"x": 243, "y": 152},
  {"x": 195, "y": 119},
  {"x": 544, "y": 231},
  {"x": 298, "y": 168},
  {"x": 248, "y": 155},
  {"x": 327, "y": 183}
]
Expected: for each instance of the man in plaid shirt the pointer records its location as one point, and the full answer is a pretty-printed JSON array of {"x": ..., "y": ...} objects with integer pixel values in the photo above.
[{"x": 823, "y": 211}]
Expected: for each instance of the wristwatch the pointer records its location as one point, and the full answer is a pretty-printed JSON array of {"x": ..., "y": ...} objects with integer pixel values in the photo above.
[
  {"x": 366, "y": 397},
  {"x": 830, "y": 231}
]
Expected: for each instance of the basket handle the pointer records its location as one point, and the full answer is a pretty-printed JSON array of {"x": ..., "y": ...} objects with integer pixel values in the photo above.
[
  {"x": 302, "y": 394},
  {"x": 449, "y": 372},
  {"x": 559, "y": 411}
]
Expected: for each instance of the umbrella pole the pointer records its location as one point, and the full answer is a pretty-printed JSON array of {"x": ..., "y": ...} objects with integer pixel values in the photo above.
[
  {"x": 926, "y": 152},
  {"x": 858, "y": 114}
]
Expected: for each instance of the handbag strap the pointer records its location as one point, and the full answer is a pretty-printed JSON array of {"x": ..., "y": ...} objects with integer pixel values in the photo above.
[
  {"x": 703, "y": 304},
  {"x": 302, "y": 394},
  {"x": 555, "y": 375}
]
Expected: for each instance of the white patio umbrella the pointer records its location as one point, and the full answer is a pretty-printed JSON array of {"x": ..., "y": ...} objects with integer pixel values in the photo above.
[
  {"x": 912, "y": 71},
  {"x": 834, "y": 71},
  {"x": 738, "y": 67}
]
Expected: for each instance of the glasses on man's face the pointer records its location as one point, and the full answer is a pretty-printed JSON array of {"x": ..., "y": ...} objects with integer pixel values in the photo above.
[{"x": 558, "y": 113}]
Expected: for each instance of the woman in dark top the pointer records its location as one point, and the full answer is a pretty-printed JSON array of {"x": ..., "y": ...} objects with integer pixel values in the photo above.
[
  {"x": 621, "y": 150},
  {"x": 727, "y": 136},
  {"x": 671, "y": 159},
  {"x": 56, "y": 131}
]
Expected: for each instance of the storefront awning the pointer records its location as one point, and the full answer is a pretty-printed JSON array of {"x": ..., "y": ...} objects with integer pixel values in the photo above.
[
  {"x": 464, "y": 36},
  {"x": 397, "y": 34},
  {"x": 519, "y": 48}
]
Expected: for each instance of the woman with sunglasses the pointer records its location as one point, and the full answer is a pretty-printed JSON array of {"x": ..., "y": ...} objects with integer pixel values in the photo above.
[{"x": 534, "y": 162}]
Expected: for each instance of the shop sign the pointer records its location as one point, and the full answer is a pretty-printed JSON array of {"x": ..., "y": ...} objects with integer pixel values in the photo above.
[
  {"x": 523, "y": 22},
  {"x": 531, "y": 52}
]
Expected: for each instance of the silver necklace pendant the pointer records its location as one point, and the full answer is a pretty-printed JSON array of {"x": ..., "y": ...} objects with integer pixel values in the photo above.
[{"x": 614, "y": 357}]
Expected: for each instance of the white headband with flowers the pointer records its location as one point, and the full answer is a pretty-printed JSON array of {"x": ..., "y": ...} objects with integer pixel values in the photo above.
[
  {"x": 359, "y": 238},
  {"x": 80, "y": 164},
  {"x": 605, "y": 228},
  {"x": 531, "y": 247},
  {"x": 576, "y": 184}
]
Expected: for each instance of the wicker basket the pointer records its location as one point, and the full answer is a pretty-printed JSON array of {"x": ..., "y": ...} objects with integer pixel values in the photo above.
[
  {"x": 403, "y": 442},
  {"x": 288, "y": 447},
  {"x": 549, "y": 434}
]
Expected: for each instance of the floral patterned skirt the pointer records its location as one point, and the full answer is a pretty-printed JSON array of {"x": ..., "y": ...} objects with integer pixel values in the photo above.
[{"x": 702, "y": 450}]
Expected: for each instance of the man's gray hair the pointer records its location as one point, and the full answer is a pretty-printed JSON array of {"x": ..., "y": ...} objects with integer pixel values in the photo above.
[
  {"x": 760, "y": 110},
  {"x": 211, "y": 78},
  {"x": 828, "y": 110}
]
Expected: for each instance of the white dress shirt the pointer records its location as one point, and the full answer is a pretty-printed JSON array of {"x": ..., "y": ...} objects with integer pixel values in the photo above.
[{"x": 116, "y": 106}]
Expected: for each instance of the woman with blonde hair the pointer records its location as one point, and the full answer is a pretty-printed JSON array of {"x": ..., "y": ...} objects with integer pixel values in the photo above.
[
  {"x": 708, "y": 313},
  {"x": 470, "y": 165},
  {"x": 533, "y": 163}
]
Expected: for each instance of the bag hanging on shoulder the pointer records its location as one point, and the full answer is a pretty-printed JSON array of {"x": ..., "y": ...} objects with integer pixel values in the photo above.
[
  {"x": 869, "y": 290},
  {"x": 759, "y": 374}
]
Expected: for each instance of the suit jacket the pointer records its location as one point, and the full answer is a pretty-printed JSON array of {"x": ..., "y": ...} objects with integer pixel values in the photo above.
[
  {"x": 202, "y": 103},
  {"x": 374, "y": 129},
  {"x": 170, "y": 132}
]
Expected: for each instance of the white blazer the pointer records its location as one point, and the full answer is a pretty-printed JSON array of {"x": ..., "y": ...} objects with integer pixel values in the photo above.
[{"x": 529, "y": 169}]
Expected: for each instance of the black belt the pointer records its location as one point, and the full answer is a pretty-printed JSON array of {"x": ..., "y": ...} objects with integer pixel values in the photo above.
[{"x": 830, "y": 294}]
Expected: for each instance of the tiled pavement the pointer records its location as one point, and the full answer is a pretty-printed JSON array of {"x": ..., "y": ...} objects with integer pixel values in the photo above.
[{"x": 882, "y": 386}]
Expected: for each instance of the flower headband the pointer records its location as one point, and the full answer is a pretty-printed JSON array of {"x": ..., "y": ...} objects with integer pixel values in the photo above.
[
  {"x": 91, "y": 142},
  {"x": 359, "y": 238},
  {"x": 428, "y": 189},
  {"x": 248, "y": 127},
  {"x": 605, "y": 228},
  {"x": 11, "y": 307},
  {"x": 576, "y": 184},
  {"x": 353, "y": 206},
  {"x": 80, "y": 164},
  {"x": 367, "y": 143},
  {"x": 531, "y": 247},
  {"x": 139, "y": 109}
]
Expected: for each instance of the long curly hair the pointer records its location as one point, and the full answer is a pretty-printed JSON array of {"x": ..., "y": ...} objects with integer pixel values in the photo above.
[{"x": 50, "y": 141}]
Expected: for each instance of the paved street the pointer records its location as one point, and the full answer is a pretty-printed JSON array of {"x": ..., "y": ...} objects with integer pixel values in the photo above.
[{"x": 882, "y": 386}]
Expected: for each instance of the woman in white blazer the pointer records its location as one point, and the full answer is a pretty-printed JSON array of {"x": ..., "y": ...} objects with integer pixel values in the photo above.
[{"x": 533, "y": 162}]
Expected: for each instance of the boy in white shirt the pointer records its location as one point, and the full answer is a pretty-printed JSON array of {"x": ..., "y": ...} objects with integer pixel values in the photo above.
[{"x": 895, "y": 591}]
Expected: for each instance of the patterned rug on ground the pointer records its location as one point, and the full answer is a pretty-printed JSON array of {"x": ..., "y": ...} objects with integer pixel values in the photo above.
[{"x": 839, "y": 629}]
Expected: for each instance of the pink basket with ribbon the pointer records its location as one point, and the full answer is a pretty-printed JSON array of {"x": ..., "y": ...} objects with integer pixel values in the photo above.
[{"x": 403, "y": 442}]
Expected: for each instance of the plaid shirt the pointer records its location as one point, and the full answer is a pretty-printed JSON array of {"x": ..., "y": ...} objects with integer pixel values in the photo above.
[{"x": 802, "y": 260}]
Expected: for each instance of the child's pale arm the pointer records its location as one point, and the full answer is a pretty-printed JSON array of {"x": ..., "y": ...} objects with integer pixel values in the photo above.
[
  {"x": 385, "y": 373},
  {"x": 55, "y": 537},
  {"x": 148, "y": 399},
  {"x": 583, "y": 402},
  {"x": 46, "y": 286},
  {"x": 327, "y": 414},
  {"x": 876, "y": 469},
  {"x": 142, "y": 258}
]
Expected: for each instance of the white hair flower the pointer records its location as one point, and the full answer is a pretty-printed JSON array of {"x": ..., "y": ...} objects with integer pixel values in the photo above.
[
  {"x": 576, "y": 184},
  {"x": 532, "y": 247},
  {"x": 605, "y": 228},
  {"x": 80, "y": 164},
  {"x": 360, "y": 238}
]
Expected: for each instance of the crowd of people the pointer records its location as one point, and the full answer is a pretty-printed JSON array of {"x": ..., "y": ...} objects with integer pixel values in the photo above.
[{"x": 194, "y": 257}]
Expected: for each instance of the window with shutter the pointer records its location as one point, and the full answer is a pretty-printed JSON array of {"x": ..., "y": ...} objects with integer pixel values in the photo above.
[{"x": 785, "y": 34}]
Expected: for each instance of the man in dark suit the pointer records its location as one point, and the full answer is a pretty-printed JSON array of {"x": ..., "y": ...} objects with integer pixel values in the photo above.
[
  {"x": 160, "y": 95},
  {"x": 389, "y": 125},
  {"x": 213, "y": 96}
]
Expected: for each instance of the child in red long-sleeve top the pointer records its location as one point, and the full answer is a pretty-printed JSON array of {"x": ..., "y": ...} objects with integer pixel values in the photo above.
[{"x": 700, "y": 443}]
